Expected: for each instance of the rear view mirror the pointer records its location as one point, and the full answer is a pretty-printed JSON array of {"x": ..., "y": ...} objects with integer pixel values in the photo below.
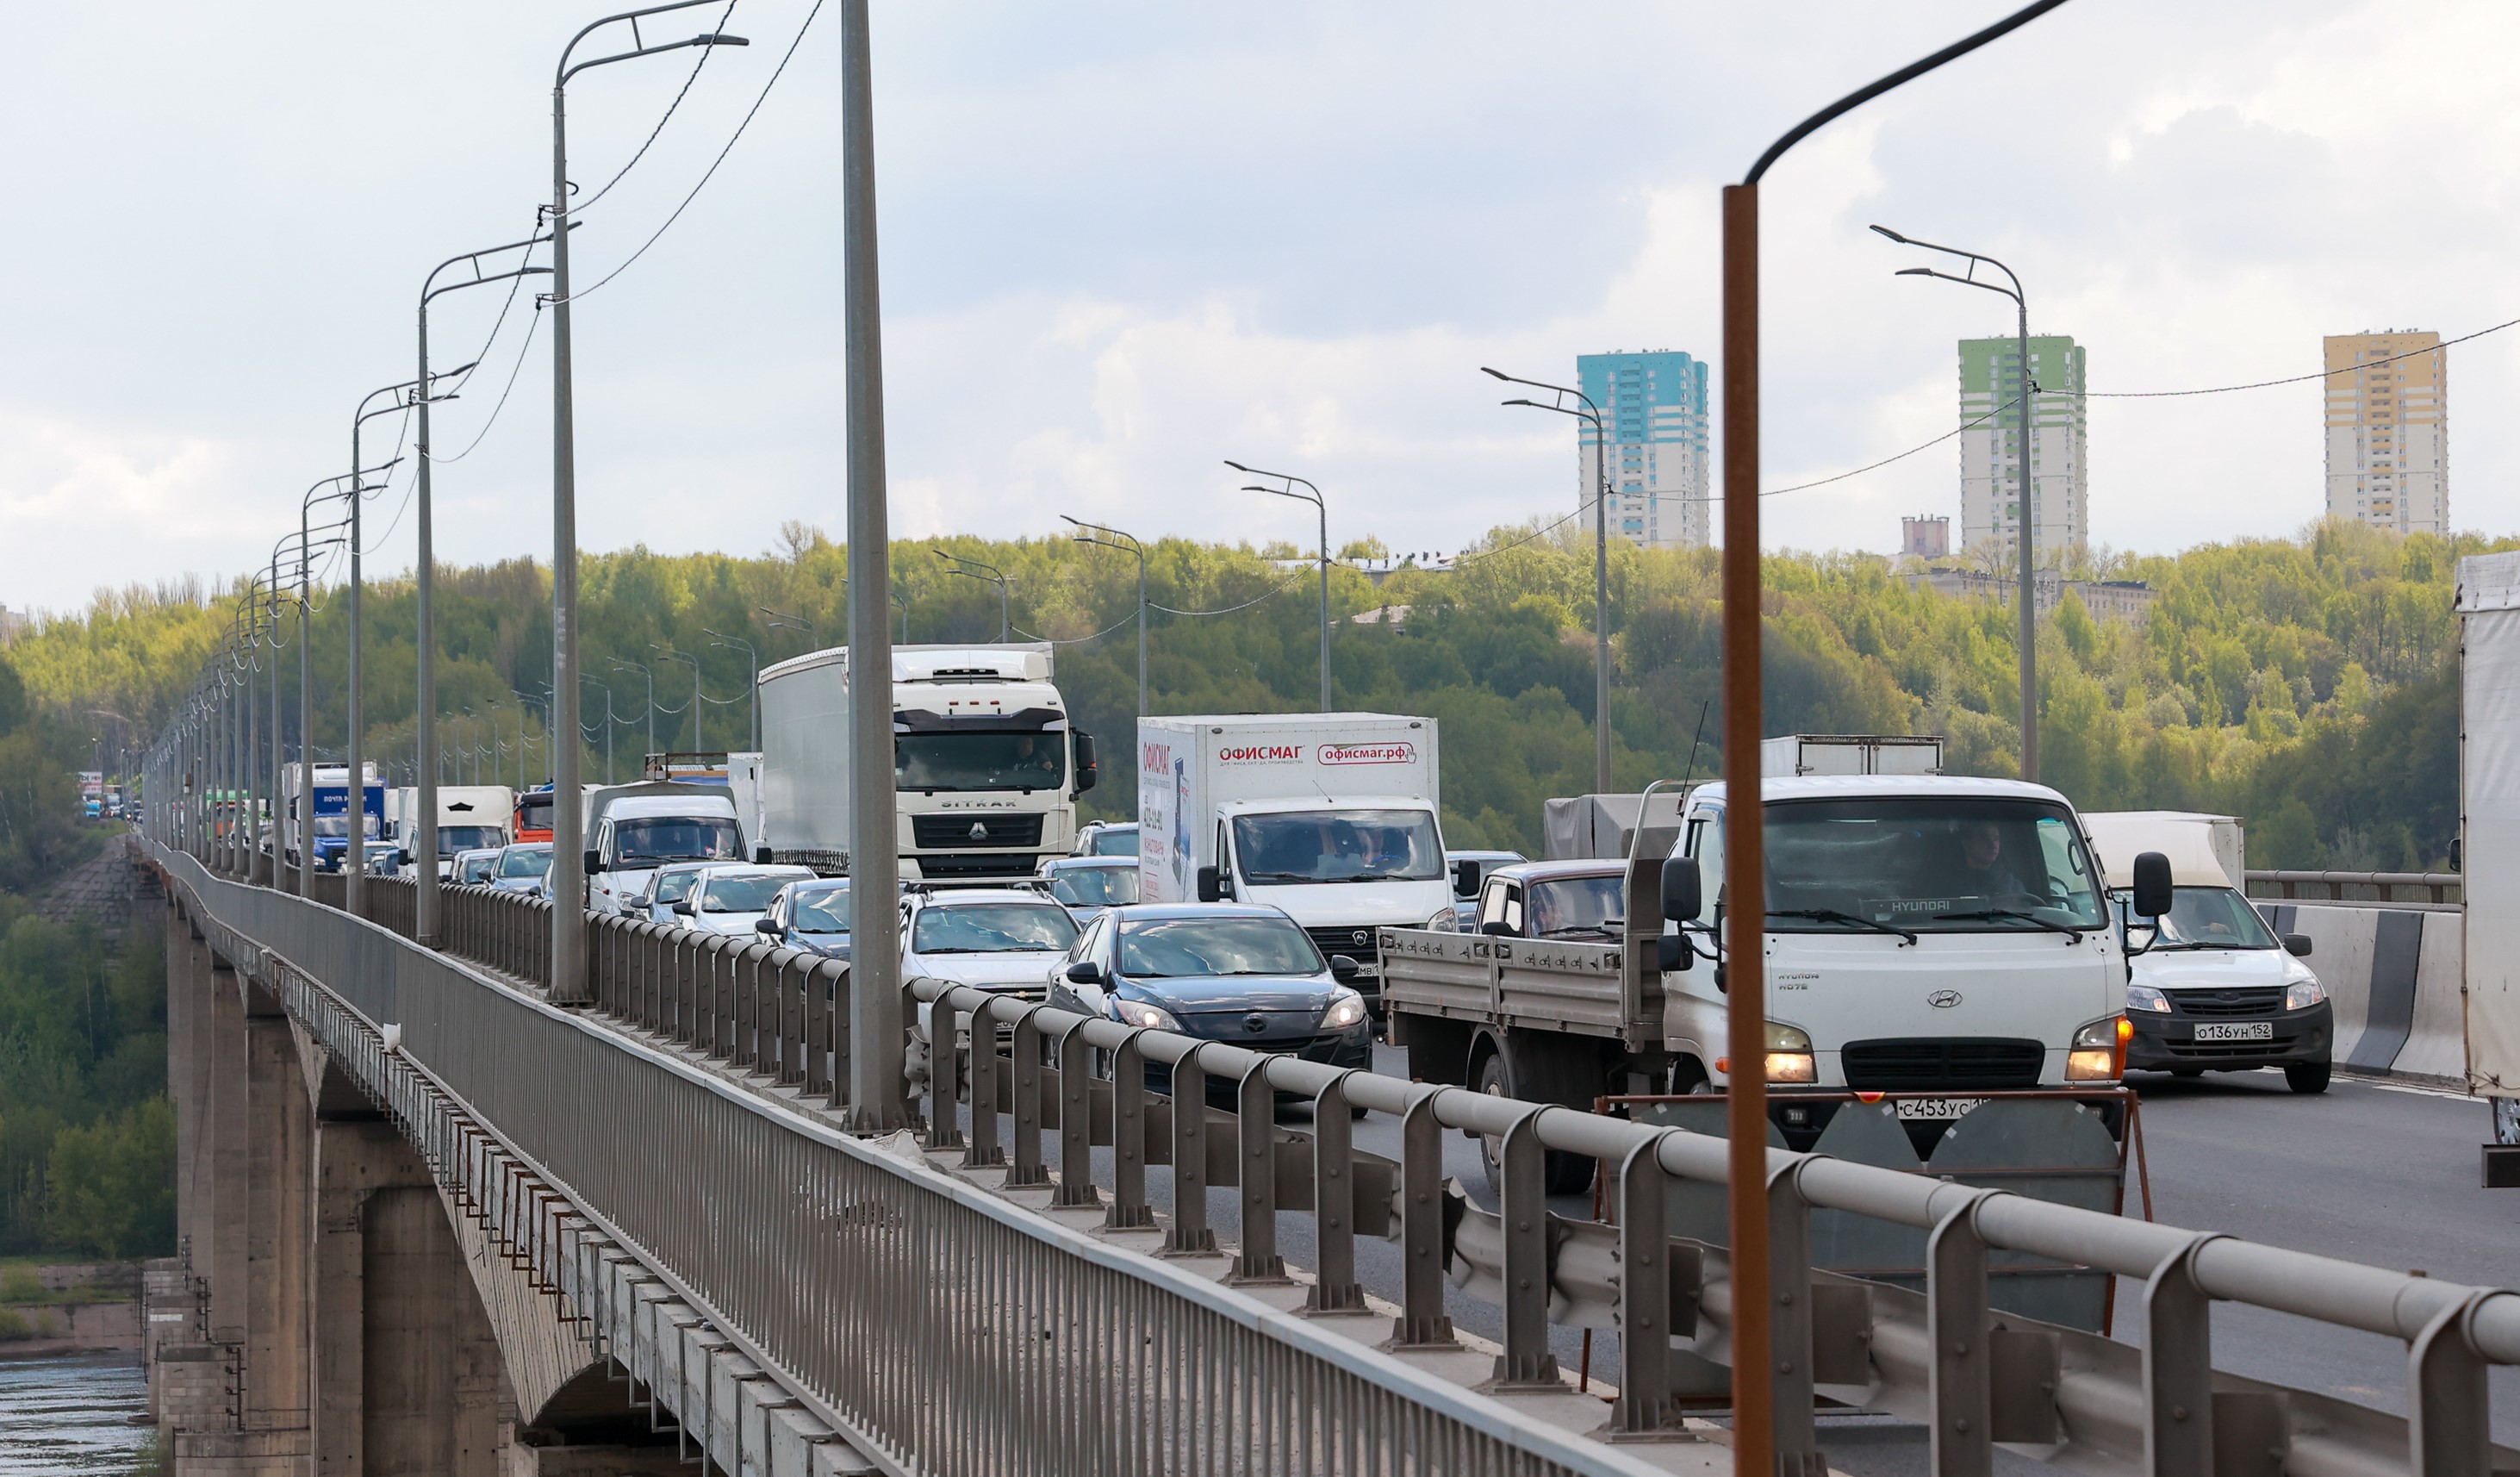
[
  {"x": 1089, "y": 768},
  {"x": 683, "y": 907},
  {"x": 1673, "y": 955},
  {"x": 1683, "y": 890},
  {"x": 761, "y": 857},
  {"x": 1466, "y": 877},
  {"x": 2151, "y": 885},
  {"x": 2297, "y": 945},
  {"x": 769, "y": 926},
  {"x": 1211, "y": 885},
  {"x": 1343, "y": 968},
  {"x": 594, "y": 862},
  {"x": 1085, "y": 972},
  {"x": 1497, "y": 928}
]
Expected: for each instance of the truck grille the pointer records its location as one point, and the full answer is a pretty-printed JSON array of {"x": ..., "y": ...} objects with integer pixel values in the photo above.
[
  {"x": 1926, "y": 1064},
  {"x": 973, "y": 866},
  {"x": 1356, "y": 941},
  {"x": 2265, "y": 1000},
  {"x": 999, "y": 829}
]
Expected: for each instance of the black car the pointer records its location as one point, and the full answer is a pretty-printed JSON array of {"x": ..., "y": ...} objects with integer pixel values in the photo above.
[{"x": 1228, "y": 972}]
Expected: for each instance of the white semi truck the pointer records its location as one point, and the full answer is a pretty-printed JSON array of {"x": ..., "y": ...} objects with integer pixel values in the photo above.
[
  {"x": 986, "y": 766},
  {"x": 1331, "y": 816},
  {"x": 2489, "y": 842}
]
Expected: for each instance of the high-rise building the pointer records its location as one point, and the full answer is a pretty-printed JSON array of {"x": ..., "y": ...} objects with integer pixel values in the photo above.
[
  {"x": 1653, "y": 406},
  {"x": 1991, "y": 449},
  {"x": 1926, "y": 536},
  {"x": 2388, "y": 431}
]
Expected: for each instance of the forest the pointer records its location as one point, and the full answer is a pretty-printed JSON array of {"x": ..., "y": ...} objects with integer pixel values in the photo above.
[{"x": 2307, "y": 684}]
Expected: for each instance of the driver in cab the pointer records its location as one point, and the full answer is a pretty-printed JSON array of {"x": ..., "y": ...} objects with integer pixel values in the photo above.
[{"x": 1984, "y": 871}]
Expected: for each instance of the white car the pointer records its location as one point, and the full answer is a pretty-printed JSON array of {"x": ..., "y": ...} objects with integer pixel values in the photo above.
[
  {"x": 731, "y": 900},
  {"x": 1006, "y": 940}
]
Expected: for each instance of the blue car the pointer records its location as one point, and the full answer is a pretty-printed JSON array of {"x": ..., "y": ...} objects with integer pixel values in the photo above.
[{"x": 1231, "y": 972}]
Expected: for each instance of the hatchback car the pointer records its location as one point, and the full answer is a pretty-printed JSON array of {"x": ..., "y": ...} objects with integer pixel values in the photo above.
[
  {"x": 472, "y": 868},
  {"x": 522, "y": 868},
  {"x": 998, "y": 939},
  {"x": 812, "y": 915},
  {"x": 1238, "y": 973},
  {"x": 730, "y": 899},
  {"x": 1090, "y": 884},
  {"x": 667, "y": 886}
]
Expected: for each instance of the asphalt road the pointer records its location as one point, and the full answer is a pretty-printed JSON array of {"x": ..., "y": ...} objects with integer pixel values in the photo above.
[{"x": 2366, "y": 1172}]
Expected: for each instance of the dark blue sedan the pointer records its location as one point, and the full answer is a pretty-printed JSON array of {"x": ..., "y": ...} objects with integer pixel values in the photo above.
[{"x": 1237, "y": 973}]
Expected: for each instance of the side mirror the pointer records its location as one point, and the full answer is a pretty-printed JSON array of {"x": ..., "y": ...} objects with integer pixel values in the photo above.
[
  {"x": 1343, "y": 969},
  {"x": 594, "y": 862},
  {"x": 2297, "y": 945},
  {"x": 1466, "y": 877},
  {"x": 1497, "y": 928},
  {"x": 1211, "y": 885},
  {"x": 1673, "y": 955},
  {"x": 2458, "y": 854},
  {"x": 2151, "y": 885},
  {"x": 769, "y": 926},
  {"x": 1089, "y": 766},
  {"x": 1684, "y": 891},
  {"x": 683, "y": 909},
  {"x": 1085, "y": 972},
  {"x": 761, "y": 857}
]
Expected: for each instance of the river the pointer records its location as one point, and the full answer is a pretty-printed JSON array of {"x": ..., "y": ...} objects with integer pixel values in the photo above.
[{"x": 66, "y": 1417}]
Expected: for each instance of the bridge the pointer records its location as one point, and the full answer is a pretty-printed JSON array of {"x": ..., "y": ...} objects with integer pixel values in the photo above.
[{"x": 437, "y": 1219}]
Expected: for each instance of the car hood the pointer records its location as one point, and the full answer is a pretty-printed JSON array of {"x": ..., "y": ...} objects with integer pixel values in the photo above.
[
  {"x": 728, "y": 923},
  {"x": 2208, "y": 968},
  {"x": 992, "y": 970},
  {"x": 829, "y": 945},
  {"x": 1208, "y": 994}
]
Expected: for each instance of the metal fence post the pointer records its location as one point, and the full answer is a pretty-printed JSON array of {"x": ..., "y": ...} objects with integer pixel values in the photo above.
[
  {"x": 1129, "y": 1209},
  {"x": 1256, "y": 1115},
  {"x": 983, "y": 1148},
  {"x": 2178, "y": 1369},
  {"x": 1523, "y": 1205},
  {"x": 2448, "y": 1425},
  {"x": 1189, "y": 1236},
  {"x": 1075, "y": 1121},
  {"x": 1025, "y": 1169},
  {"x": 1790, "y": 1285},
  {"x": 1961, "y": 1384},
  {"x": 1643, "y": 1411},
  {"x": 1336, "y": 1291},
  {"x": 944, "y": 1076},
  {"x": 823, "y": 1075},
  {"x": 1422, "y": 1323}
]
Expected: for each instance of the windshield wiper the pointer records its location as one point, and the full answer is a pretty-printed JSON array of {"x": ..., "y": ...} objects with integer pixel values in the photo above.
[
  {"x": 2075, "y": 934},
  {"x": 1281, "y": 877},
  {"x": 1906, "y": 935},
  {"x": 2185, "y": 945}
]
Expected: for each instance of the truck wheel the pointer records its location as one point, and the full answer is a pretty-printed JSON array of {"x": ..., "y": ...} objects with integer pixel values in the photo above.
[
  {"x": 2308, "y": 1077},
  {"x": 1562, "y": 1173},
  {"x": 1492, "y": 1082}
]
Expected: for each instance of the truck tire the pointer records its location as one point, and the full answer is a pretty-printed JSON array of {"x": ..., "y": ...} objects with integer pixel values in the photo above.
[
  {"x": 2308, "y": 1077},
  {"x": 1521, "y": 1069}
]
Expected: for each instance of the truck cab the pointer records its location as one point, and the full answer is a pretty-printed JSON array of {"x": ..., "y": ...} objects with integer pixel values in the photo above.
[
  {"x": 634, "y": 829},
  {"x": 1564, "y": 901},
  {"x": 1343, "y": 869}
]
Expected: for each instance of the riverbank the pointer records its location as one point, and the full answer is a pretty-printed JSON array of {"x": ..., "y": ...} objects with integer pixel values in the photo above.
[{"x": 51, "y": 1311}]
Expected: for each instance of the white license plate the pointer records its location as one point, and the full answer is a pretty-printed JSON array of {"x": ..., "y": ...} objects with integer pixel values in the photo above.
[
  {"x": 2236, "y": 1031},
  {"x": 1934, "y": 1109}
]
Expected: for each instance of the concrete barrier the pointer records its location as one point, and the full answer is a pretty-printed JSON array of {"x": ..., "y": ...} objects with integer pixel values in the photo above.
[{"x": 2392, "y": 977}]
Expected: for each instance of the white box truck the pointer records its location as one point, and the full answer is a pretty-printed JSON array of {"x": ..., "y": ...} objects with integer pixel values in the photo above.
[
  {"x": 1794, "y": 755},
  {"x": 986, "y": 767},
  {"x": 1331, "y": 816},
  {"x": 2489, "y": 842}
]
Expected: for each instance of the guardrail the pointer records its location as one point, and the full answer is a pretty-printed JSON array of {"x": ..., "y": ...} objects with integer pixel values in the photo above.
[
  {"x": 2369, "y": 889},
  {"x": 737, "y": 1198}
]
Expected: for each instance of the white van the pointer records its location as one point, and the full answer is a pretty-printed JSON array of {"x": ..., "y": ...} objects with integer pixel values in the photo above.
[{"x": 634, "y": 829}]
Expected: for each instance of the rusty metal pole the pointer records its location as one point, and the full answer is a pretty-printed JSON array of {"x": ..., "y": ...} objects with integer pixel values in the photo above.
[{"x": 1745, "y": 1034}]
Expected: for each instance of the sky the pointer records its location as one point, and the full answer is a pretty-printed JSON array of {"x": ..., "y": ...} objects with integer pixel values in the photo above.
[{"x": 1123, "y": 242}]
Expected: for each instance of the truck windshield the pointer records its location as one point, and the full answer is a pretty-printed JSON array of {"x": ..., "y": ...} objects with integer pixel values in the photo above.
[
  {"x": 1339, "y": 846},
  {"x": 1576, "y": 907},
  {"x": 978, "y": 762},
  {"x": 1176, "y": 949},
  {"x": 2212, "y": 917},
  {"x": 535, "y": 813},
  {"x": 991, "y": 927},
  {"x": 1094, "y": 886},
  {"x": 339, "y": 825},
  {"x": 468, "y": 838},
  {"x": 1938, "y": 864},
  {"x": 676, "y": 838}
]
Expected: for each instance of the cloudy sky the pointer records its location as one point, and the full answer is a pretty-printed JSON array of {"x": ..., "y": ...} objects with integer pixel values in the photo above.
[{"x": 1124, "y": 241}]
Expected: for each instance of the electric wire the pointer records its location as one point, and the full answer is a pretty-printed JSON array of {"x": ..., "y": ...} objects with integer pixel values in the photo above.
[
  {"x": 523, "y": 349},
  {"x": 688, "y": 78},
  {"x": 1281, "y": 587},
  {"x": 711, "y": 173},
  {"x": 2325, "y": 374}
]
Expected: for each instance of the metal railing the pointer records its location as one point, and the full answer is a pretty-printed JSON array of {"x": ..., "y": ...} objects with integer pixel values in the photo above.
[
  {"x": 2365, "y": 889},
  {"x": 899, "y": 1300}
]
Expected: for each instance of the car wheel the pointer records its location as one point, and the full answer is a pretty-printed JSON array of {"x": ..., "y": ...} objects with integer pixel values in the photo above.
[{"x": 2308, "y": 1077}]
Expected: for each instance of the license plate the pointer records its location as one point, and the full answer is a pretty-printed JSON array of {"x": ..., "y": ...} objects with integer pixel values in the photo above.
[
  {"x": 1932, "y": 1109},
  {"x": 2236, "y": 1031}
]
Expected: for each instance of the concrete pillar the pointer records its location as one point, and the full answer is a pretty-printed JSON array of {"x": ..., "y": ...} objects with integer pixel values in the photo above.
[
  {"x": 353, "y": 1159},
  {"x": 183, "y": 1082},
  {"x": 226, "y": 1150},
  {"x": 432, "y": 1366},
  {"x": 279, "y": 1222}
]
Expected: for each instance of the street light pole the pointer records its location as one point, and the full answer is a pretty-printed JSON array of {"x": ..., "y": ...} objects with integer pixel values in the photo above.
[
  {"x": 305, "y": 831},
  {"x": 1313, "y": 495},
  {"x": 1591, "y": 412},
  {"x": 754, "y": 658},
  {"x": 1132, "y": 546},
  {"x": 1759, "y": 1446},
  {"x": 676, "y": 656},
  {"x": 568, "y": 983},
  {"x": 1006, "y": 623},
  {"x": 2024, "y": 404},
  {"x": 354, "y": 854}
]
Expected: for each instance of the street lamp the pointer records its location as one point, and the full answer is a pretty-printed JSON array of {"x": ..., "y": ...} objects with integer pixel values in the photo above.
[
  {"x": 754, "y": 656},
  {"x": 1132, "y": 546},
  {"x": 1754, "y": 1352},
  {"x": 2025, "y": 424},
  {"x": 568, "y": 816},
  {"x": 305, "y": 830},
  {"x": 425, "y": 706},
  {"x": 781, "y": 620},
  {"x": 1591, "y": 412},
  {"x": 1312, "y": 495},
  {"x": 675, "y": 656},
  {"x": 957, "y": 561}
]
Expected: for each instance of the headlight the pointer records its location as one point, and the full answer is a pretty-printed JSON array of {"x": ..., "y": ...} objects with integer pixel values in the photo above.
[
  {"x": 2145, "y": 997},
  {"x": 1139, "y": 1013},
  {"x": 1789, "y": 1055},
  {"x": 1443, "y": 922},
  {"x": 2098, "y": 1053},
  {"x": 1347, "y": 1007},
  {"x": 2301, "y": 994}
]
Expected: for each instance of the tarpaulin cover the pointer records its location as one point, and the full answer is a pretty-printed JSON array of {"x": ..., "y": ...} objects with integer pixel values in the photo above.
[{"x": 2489, "y": 604}]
